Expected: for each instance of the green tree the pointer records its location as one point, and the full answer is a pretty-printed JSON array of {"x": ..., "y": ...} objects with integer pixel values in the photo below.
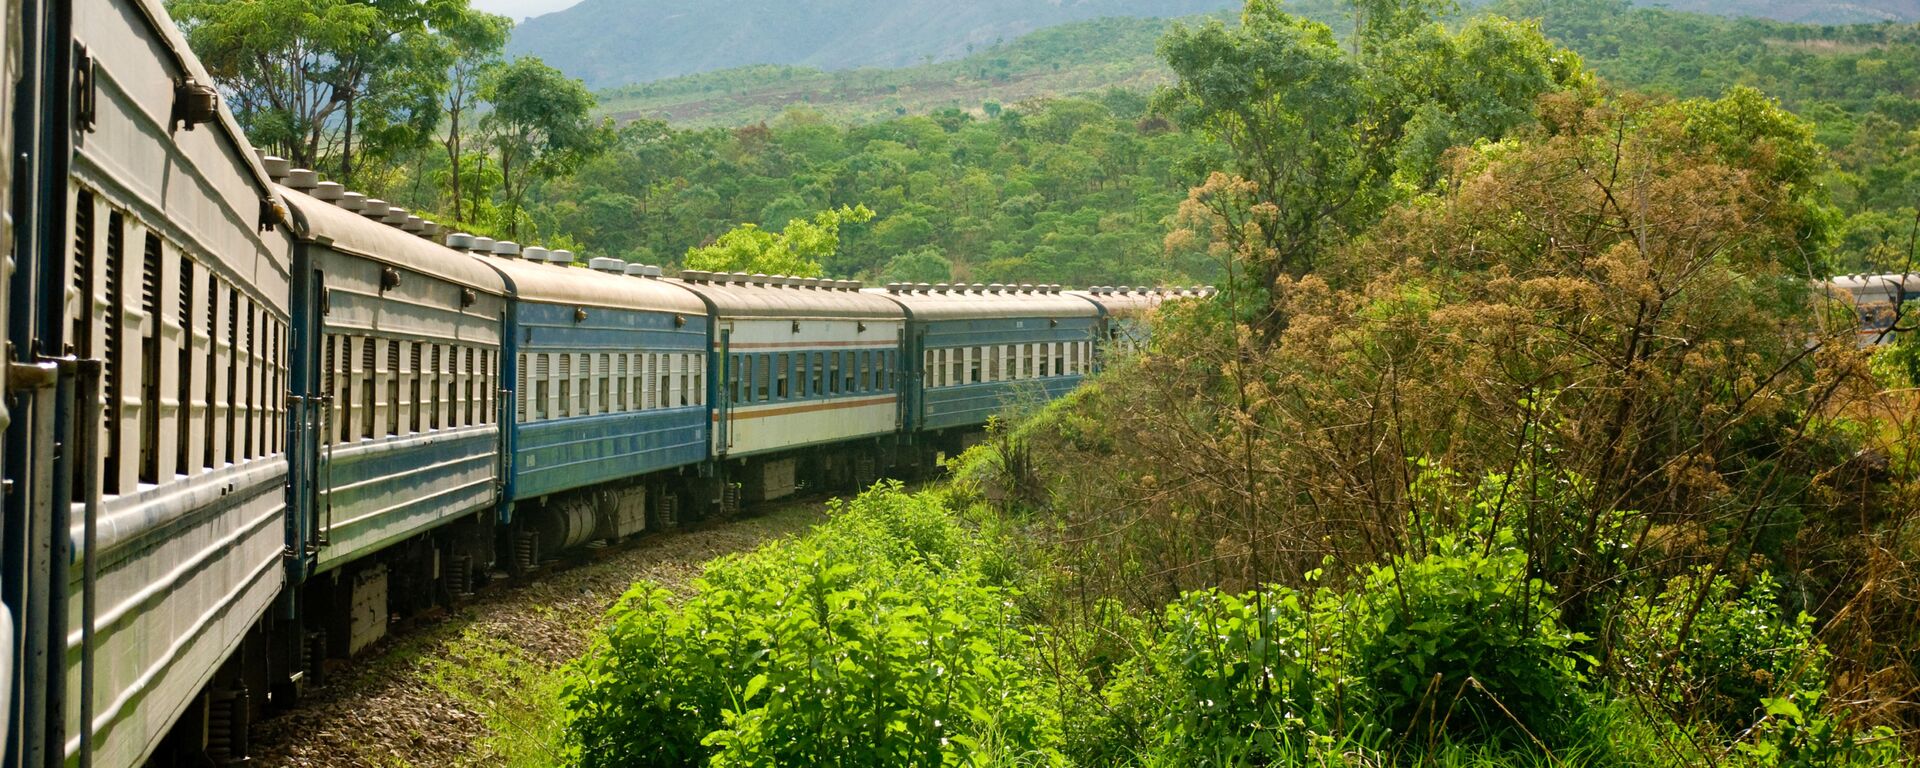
[
  {"x": 307, "y": 78},
  {"x": 924, "y": 265},
  {"x": 474, "y": 42},
  {"x": 797, "y": 251},
  {"x": 1315, "y": 132},
  {"x": 540, "y": 127}
]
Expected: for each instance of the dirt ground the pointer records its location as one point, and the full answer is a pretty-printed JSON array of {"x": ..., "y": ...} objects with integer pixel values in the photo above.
[{"x": 384, "y": 709}]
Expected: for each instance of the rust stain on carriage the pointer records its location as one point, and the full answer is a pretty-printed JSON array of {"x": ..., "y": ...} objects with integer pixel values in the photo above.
[{"x": 809, "y": 408}]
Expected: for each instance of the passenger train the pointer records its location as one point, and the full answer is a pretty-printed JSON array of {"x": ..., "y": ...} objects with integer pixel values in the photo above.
[{"x": 253, "y": 417}]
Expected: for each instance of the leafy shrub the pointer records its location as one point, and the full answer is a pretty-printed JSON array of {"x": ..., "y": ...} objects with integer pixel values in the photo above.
[
  {"x": 1718, "y": 662},
  {"x": 868, "y": 642},
  {"x": 1463, "y": 644},
  {"x": 1232, "y": 679}
]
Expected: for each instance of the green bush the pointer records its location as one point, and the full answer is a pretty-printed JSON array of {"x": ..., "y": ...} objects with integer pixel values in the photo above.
[
  {"x": 1718, "y": 663},
  {"x": 868, "y": 642},
  {"x": 1462, "y": 644},
  {"x": 1234, "y": 679}
]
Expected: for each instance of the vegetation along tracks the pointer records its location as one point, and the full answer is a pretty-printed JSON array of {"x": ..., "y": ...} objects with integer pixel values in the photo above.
[{"x": 472, "y": 687}]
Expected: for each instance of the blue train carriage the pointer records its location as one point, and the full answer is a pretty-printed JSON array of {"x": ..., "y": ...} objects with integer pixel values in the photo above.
[
  {"x": 806, "y": 375},
  {"x": 984, "y": 350},
  {"x": 1127, "y": 314},
  {"x": 1876, "y": 300},
  {"x": 398, "y": 355},
  {"x": 609, "y": 399},
  {"x": 166, "y": 292}
]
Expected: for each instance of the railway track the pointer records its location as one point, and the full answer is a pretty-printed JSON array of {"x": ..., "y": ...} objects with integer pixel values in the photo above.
[{"x": 387, "y": 709}]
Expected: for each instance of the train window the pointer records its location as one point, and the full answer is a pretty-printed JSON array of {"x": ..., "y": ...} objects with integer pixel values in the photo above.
[
  {"x": 849, "y": 375},
  {"x": 542, "y": 385},
  {"x": 863, "y": 373},
  {"x": 760, "y": 385},
  {"x": 699, "y": 364},
  {"x": 733, "y": 378},
  {"x": 183, "y": 383},
  {"x": 956, "y": 366},
  {"x": 150, "y": 362},
  {"x": 621, "y": 372},
  {"x": 780, "y": 369},
  {"x": 686, "y": 379},
  {"x": 1073, "y": 357},
  {"x": 1059, "y": 359},
  {"x": 391, "y": 377},
  {"x": 367, "y": 402},
  {"x": 249, "y": 353},
  {"x": 344, "y": 400},
  {"x": 566, "y": 385},
  {"x": 666, "y": 381},
  {"x": 816, "y": 374},
  {"x": 415, "y": 372},
  {"x": 636, "y": 382},
  {"x": 230, "y": 351},
  {"x": 603, "y": 402},
  {"x": 973, "y": 364}
]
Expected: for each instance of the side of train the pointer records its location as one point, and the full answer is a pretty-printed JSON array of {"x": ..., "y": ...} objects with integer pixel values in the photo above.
[{"x": 253, "y": 417}]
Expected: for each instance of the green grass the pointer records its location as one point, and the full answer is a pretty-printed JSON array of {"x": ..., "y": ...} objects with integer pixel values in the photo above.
[{"x": 517, "y": 695}]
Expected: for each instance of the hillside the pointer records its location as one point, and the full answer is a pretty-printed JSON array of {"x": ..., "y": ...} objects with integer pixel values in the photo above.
[
  {"x": 616, "y": 42},
  {"x": 1071, "y": 58}
]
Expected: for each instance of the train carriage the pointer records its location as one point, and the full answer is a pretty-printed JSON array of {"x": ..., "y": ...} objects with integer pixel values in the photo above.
[
  {"x": 983, "y": 349},
  {"x": 608, "y": 372},
  {"x": 1127, "y": 314},
  {"x": 1876, "y": 301},
  {"x": 800, "y": 363},
  {"x": 173, "y": 275},
  {"x": 401, "y": 376}
]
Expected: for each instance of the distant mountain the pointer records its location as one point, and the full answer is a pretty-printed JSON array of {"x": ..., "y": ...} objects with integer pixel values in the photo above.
[
  {"x": 616, "y": 42},
  {"x": 1801, "y": 12}
]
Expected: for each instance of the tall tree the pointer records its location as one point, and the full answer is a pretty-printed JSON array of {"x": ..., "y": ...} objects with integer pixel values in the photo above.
[
  {"x": 308, "y": 77},
  {"x": 797, "y": 251},
  {"x": 474, "y": 42},
  {"x": 1319, "y": 136},
  {"x": 540, "y": 126}
]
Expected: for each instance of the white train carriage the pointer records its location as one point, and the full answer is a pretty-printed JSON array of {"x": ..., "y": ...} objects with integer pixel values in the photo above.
[
  {"x": 1129, "y": 312},
  {"x": 798, "y": 363},
  {"x": 176, "y": 282},
  {"x": 1876, "y": 301}
]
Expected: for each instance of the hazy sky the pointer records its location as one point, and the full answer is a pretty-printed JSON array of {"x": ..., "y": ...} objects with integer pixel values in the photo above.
[{"x": 521, "y": 9}]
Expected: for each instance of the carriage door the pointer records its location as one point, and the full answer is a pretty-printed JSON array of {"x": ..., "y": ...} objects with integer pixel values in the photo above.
[{"x": 725, "y": 383}]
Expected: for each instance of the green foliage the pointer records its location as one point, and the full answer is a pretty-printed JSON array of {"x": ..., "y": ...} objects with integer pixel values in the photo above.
[
  {"x": 1463, "y": 642},
  {"x": 539, "y": 126},
  {"x": 870, "y": 642},
  {"x": 1709, "y": 650},
  {"x": 797, "y": 251}
]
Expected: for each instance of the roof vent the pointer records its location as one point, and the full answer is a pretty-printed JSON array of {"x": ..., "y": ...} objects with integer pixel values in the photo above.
[
  {"x": 640, "y": 270},
  {"x": 689, "y": 275},
  {"x": 352, "y": 201},
  {"x": 429, "y": 229},
  {"x": 482, "y": 244},
  {"x": 757, "y": 279},
  {"x": 560, "y": 256},
  {"x": 893, "y": 287},
  {"x": 396, "y": 215},
  {"x": 301, "y": 178},
  {"x": 374, "y": 209},
  {"x": 607, "y": 264},
  {"x": 942, "y": 287},
  {"x": 414, "y": 224},
  {"x": 652, "y": 270},
  {"x": 923, "y": 287},
  {"x": 328, "y": 191},
  {"x": 276, "y": 166},
  {"x": 460, "y": 241},
  {"x": 507, "y": 248},
  {"x": 534, "y": 253}
]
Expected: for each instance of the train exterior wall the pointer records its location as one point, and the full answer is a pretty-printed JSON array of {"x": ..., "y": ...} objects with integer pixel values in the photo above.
[
  {"x": 788, "y": 388},
  {"x": 636, "y": 389},
  {"x": 411, "y": 436},
  {"x": 973, "y": 369},
  {"x": 175, "y": 288}
]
